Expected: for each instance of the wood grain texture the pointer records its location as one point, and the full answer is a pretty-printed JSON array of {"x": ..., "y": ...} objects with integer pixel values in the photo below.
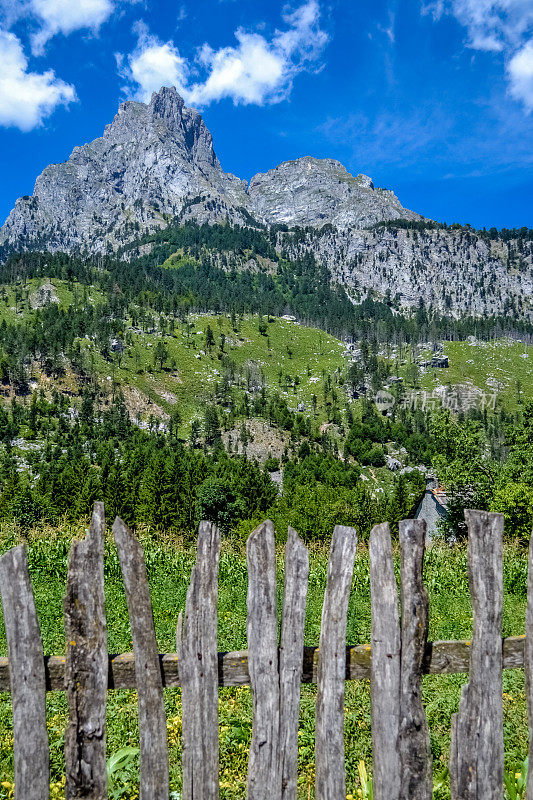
[
  {"x": 198, "y": 671},
  {"x": 154, "y": 782},
  {"x": 476, "y": 752},
  {"x": 440, "y": 658},
  {"x": 528, "y": 664},
  {"x": 385, "y": 666},
  {"x": 264, "y": 777},
  {"x": 330, "y": 782},
  {"x": 291, "y": 659},
  {"x": 27, "y": 677},
  {"x": 86, "y": 665},
  {"x": 414, "y": 744}
]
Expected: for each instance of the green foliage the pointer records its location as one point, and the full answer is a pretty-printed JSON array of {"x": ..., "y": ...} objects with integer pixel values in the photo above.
[
  {"x": 160, "y": 353},
  {"x": 475, "y": 480},
  {"x": 218, "y": 502},
  {"x": 516, "y": 782},
  {"x": 122, "y": 770},
  {"x": 515, "y": 502},
  {"x": 169, "y": 564}
]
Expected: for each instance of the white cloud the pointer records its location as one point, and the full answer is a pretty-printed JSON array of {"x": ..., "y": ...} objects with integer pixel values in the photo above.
[
  {"x": 26, "y": 98},
  {"x": 255, "y": 70},
  {"x": 252, "y": 72},
  {"x": 491, "y": 24},
  {"x": 153, "y": 64},
  {"x": 520, "y": 74},
  {"x": 66, "y": 16},
  {"x": 50, "y": 17},
  {"x": 499, "y": 26}
]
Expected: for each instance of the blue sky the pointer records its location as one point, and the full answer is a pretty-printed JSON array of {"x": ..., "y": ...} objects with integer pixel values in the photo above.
[{"x": 431, "y": 98}]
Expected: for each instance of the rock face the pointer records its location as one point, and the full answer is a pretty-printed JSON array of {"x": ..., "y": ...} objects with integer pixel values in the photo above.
[
  {"x": 44, "y": 295},
  {"x": 139, "y": 174},
  {"x": 313, "y": 191},
  {"x": 155, "y": 162},
  {"x": 454, "y": 271}
]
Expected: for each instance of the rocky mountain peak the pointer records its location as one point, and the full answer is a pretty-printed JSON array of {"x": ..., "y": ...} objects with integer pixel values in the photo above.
[
  {"x": 156, "y": 161},
  {"x": 165, "y": 116},
  {"x": 314, "y": 191},
  {"x": 167, "y": 103}
]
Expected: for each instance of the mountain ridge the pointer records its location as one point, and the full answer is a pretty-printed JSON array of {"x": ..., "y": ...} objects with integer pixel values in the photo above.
[
  {"x": 154, "y": 158},
  {"x": 156, "y": 165}
]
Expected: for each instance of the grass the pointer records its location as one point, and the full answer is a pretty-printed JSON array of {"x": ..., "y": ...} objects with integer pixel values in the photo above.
[
  {"x": 169, "y": 565},
  {"x": 304, "y": 354},
  {"x": 292, "y": 358},
  {"x": 496, "y": 365},
  {"x": 496, "y": 368}
]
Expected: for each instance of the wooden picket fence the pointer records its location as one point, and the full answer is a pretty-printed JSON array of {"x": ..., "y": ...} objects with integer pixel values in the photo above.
[{"x": 395, "y": 662}]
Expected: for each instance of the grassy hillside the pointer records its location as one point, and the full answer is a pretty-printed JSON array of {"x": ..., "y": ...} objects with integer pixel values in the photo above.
[
  {"x": 289, "y": 358},
  {"x": 282, "y": 355},
  {"x": 169, "y": 567},
  {"x": 501, "y": 370},
  {"x": 285, "y": 356},
  {"x": 502, "y": 366}
]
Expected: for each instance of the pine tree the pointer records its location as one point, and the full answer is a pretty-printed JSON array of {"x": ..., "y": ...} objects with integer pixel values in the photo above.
[
  {"x": 91, "y": 492},
  {"x": 209, "y": 339},
  {"x": 212, "y": 433}
]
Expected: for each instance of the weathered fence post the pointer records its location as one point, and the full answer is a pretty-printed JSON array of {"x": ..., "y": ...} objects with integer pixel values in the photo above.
[
  {"x": 198, "y": 671},
  {"x": 476, "y": 753},
  {"x": 26, "y": 677},
  {"x": 414, "y": 744},
  {"x": 385, "y": 666},
  {"x": 152, "y": 721},
  {"x": 264, "y": 780},
  {"x": 291, "y": 659},
  {"x": 399, "y": 657},
  {"x": 86, "y": 665},
  {"x": 528, "y": 665},
  {"x": 330, "y": 781}
]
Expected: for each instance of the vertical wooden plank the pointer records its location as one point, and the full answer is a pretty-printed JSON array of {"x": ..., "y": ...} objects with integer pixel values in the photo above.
[
  {"x": 414, "y": 744},
  {"x": 86, "y": 666},
  {"x": 154, "y": 783},
  {"x": 264, "y": 781},
  {"x": 26, "y": 677},
  {"x": 476, "y": 753},
  {"x": 528, "y": 665},
  {"x": 385, "y": 666},
  {"x": 330, "y": 782},
  {"x": 198, "y": 671},
  {"x": 291, "y": 659}
]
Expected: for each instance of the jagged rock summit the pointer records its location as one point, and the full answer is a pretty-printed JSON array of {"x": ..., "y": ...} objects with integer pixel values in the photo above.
[
  {"x": 316, "y": 191},
  {"x": 156, "y": 161},
  {"x": 134, "y": 177}
]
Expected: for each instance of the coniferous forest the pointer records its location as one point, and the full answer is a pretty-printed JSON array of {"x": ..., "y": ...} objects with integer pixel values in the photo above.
[{"x": 64, "y": 448}]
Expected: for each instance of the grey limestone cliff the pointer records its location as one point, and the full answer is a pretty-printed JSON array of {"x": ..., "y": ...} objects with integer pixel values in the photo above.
[
  {"x": 453, "y": 271},
  {"x": 313, "y": 191},
  {"x": 137, "y": 176},
  {"x": 155, "y": 162}
]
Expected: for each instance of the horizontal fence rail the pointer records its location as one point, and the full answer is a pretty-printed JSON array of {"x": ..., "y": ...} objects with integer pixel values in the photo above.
[
  {"x": 446, "y": 657},
  {"x": 274, "y": 666}
]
